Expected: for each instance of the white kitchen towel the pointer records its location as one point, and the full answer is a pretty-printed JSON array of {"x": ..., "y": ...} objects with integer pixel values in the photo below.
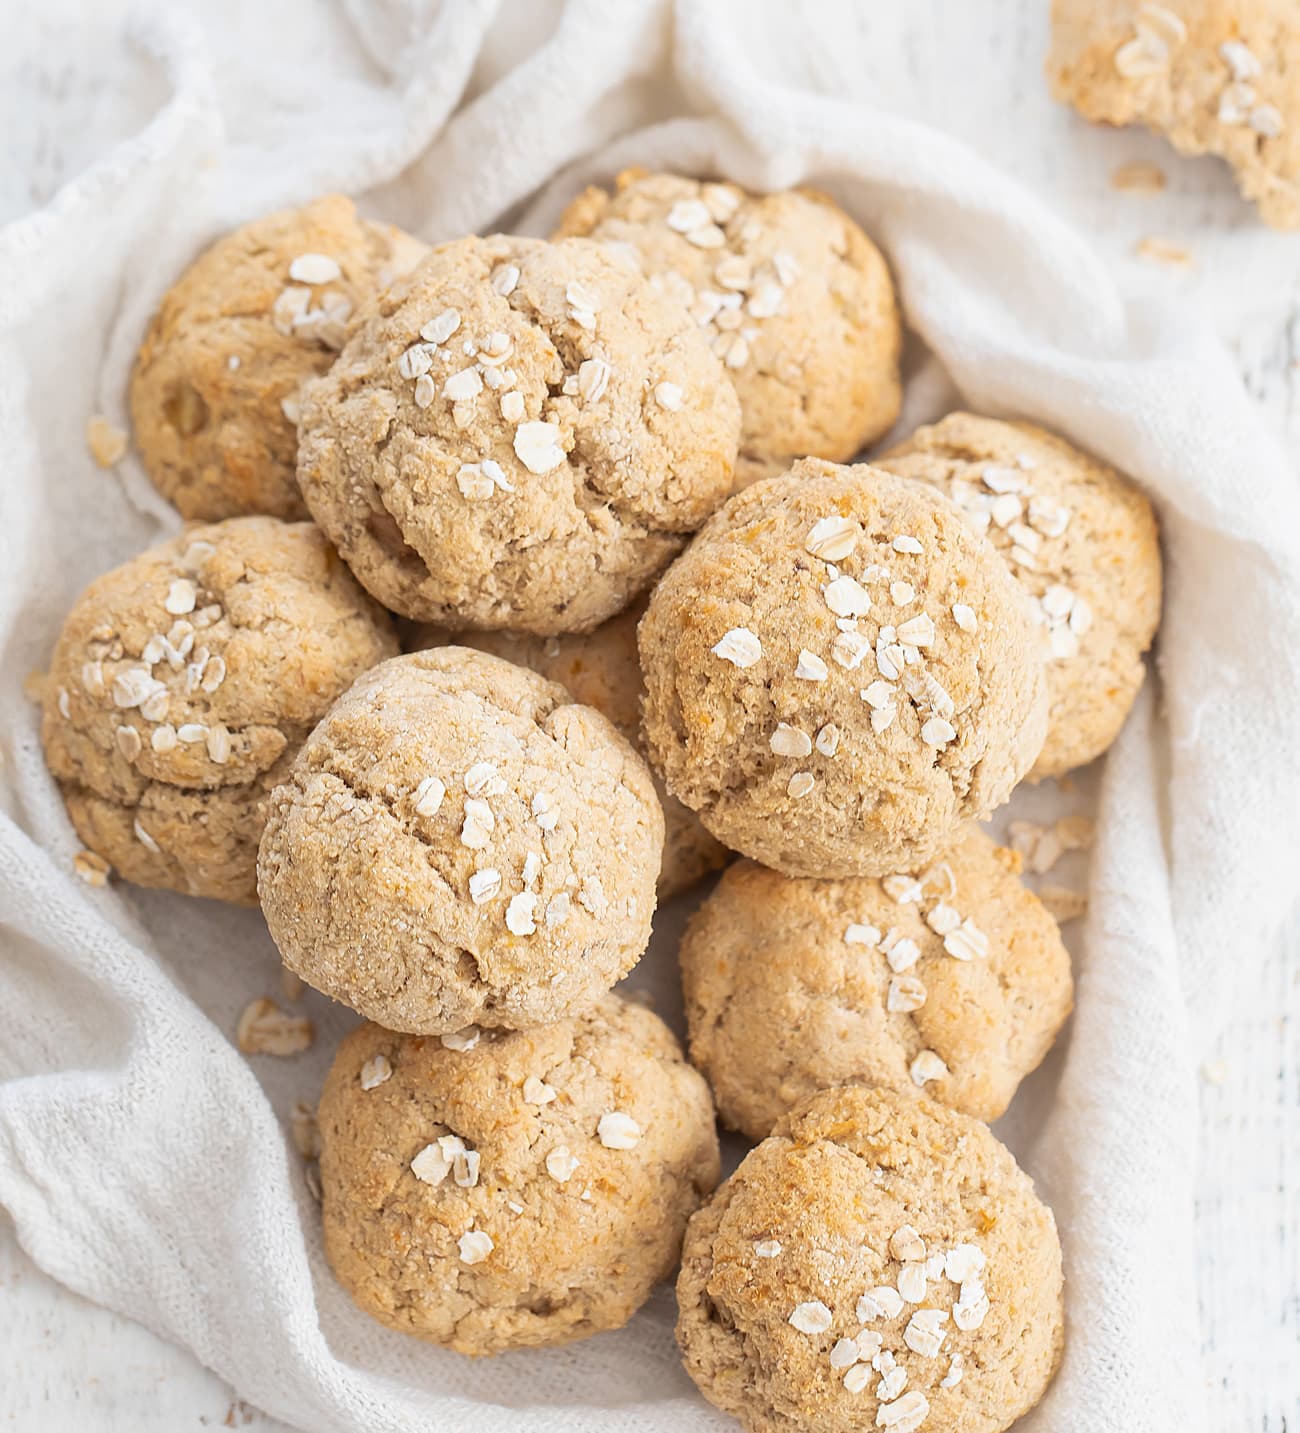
[{"x": 142, "y": 1158}]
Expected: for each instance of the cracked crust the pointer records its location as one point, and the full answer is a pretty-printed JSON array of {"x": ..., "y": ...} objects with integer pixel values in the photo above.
[
  {"x": 601, "y": 670},
  {"x": 1182, "y": 84},
  {"x": 569, "y": 1259},
  {"x": 836, "y": 1179},
  {"x": 278, "y": 628},
  {"x": 818, "y": 375},
  {"x": 884, "y": 800},
  {"x": 398, "y": 487},
  {"x": 779, "y": 1004},
  {"x": 1108, "y": 556},
  {"x": 369, "y": 898},
  {"x": 220, "y": 358}
]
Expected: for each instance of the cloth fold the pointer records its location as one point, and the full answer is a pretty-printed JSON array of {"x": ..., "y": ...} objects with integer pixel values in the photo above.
[{"x": 143, "y": 1159}]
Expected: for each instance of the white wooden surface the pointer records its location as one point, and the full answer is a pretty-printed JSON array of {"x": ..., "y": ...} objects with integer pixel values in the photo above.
[{"x": 976, "y": 69}]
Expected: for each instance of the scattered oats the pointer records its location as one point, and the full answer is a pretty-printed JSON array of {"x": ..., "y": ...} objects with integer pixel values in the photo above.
[
  {"x": 591, "y": 897},
  {"x": 557, "y": 909},
  {"x": 846, "y": 597},
  {"x": 857, "y": 1378},
  {"x": 844, "y": 1354},
  {"x": 881, "y": 1302},
  {"x": 144, "y": 838},
  {"x": 869, "y": 1342},
  {"x": 687, "y": 214},
  {"x": 1003, "y": 480},
  {"x": 706, "y": 236},
  {"x": 766, "y": 300},
  {"x": 292, "y": 410},
  {"x": 107, "y": 443},
  {"x": 801, "y": 784},
  {"x": 917, "y": 631},
  {"x": 812, "y": 1317},
  {"x": 304, "y": 1130},
  {"x": 906, "y": 1245},
  {"x": 862, "y": 934},
  {"x": 314, "y": 269},
  {"x": 967, "y": 942},
  {"x": 901, "y": 951},
  {"x": 128, "y": 742},
  {"x": 64, "y": 703},
  {"x": 537, "y": 1092},
  {"x": 191, "y": 732},
  {"x": 1146, "y": 54},
  {"x": 927, "y": 1066},
  {"x": 883, "y": 718},
  {"x": 733, "y": 351},
  {"x": 849, "y": 648},
  {"x": 963, "y": 616},
  {"x": 1047, "y": 517},
  {"x": 537, "y": 446},
  {"x": 375, "y": 1071},
  {"x": 740, "y": 647},
  {"x": 911, "y": 1282},
  {"x": 833, "y": 538},
  {"x": 1240, "y": 59},
  {"x": 163, "y": 739},
  {"x": 971, "y": 1309},
  {"x": 907, "y": 544},
  {"x": 1063, "y": 903},
  {"x": 767, "y": 1248},
  {"x": 428, "y": 796},
  {"x": 560, "y": 1164},
  {"x": 466, "y": 384},
  {"x": 91, "y": 868},
  {"x": 924, "y": 1332},
  {"x": 265, "y": 1029},
  {"x": 901, "y": 593},
  {"x": 891, "y": 1384},
  {"x": 906, "y": 1415},
  {"x": 543, "y": 813},
  {"x": 828, "y": 739},
  {"x": 504, "y": 279},
  {"x": 462, "y": 1040},
  {"x": 937, "y": 732},
  {"x": 92, "y": 678},
  {"x": 154, "y": 707},
  {"x": 473, "y": 482},
  {"x": 132, "y": 687},
  {"x": 520, "y": 913},
  {"x": 669, "y": 396},
  {"x": 1162, "y": 251},
  {"x": 963, "y": 1262},
  {"x": 415, "y": 362},
  {"x": 906, "y": 993},
  {"x": 484, "y": 885},
  {"x": 953, "y": 1377},
  {"x": 1266, "y": 120},
  {"x": 879, "y": 695},
  {"x": 531, "y": 868},
  {"x": 903, "y": 890},
  {"x": 617, "y": 1130},
  {"x": 181, "y": 597},
  {"x": 479, "y": 823},
  {"x": 593, "y": 379},
  {"x": 1005, "y": 509},
  {"x": 788, "y": 740},
  {"x": 218, "y": 744},
  {"x": 441, "y": 328},
  {"x": 474, "y": 1246},
  {"x": 810, "y": 667},
  {"x": 942, "y": 918}
]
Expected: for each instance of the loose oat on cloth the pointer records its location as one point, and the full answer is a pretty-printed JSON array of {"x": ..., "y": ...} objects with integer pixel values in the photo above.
[{"x": 147, "y": 1162}]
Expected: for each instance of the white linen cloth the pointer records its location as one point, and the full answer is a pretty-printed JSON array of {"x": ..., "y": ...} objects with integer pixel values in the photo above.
[{"x": 143, "y": 1159}]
